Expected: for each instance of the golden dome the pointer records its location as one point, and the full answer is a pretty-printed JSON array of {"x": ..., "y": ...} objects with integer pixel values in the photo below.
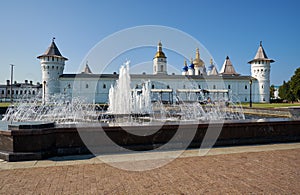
[
  {"x": 197, "y": 61},
  {"x": 159, "y": 54}
]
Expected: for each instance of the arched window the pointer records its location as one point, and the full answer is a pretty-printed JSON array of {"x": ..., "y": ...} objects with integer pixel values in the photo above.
[
  {"x": 161, "y": 68},
  {"x": 262, "y": 86},
  {"x": 246, "y": 87},
  {"x": 152, "y": 86},
  {"x": 214, "y": 86},
  {"x": 168, "y": 87},
  {"x": 104, "y": 86},
  {"x": 229, "y": 86},
  {"x": 86, "y": 85},
  {"x": 33, "y": 92}
]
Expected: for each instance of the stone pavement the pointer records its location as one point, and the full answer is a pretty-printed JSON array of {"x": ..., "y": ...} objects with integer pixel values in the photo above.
[{"x": 245, "y": 169}]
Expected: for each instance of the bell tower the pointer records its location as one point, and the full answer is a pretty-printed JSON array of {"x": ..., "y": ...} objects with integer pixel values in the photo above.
[
  {"x": 52, "y": 64},
  {"x": 159, "y": 61},
  {"x": 260, "y": 69}
]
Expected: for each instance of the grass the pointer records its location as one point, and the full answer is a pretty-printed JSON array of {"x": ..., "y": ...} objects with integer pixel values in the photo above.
[
  {"x": 270, "y": 105},
  {"x": 4, "y": 104}
]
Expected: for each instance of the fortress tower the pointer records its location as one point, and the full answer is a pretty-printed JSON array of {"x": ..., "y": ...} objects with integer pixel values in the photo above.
[
  {"x": 260, "y": 69},
  {"x": 52, "y": 64}
]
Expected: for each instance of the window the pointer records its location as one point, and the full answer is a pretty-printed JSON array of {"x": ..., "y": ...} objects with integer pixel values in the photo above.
[
  {"x": 52, "y": 58},
  {"x": 52, "y": 67},
  {"x": 8, "y": 92},
  {"x": 104, "y": 86},
  {"x": 69, "y": 85},
  {"x": 152, "y": 86},
  {"x": 199, "y": 86},
  {"x": 183, "y": 86},
  {"x": 29, "y": 92},
  {"x": 21, "y": 92},
  {"x": 246, "y": 87},
  {"x": 262, "y": 86},
  {"x": 87, "y": 86},
  {"x": 264, "y": 99},
  {"x": 25, "y": 91},
  {"x": 17, "y": 92},
  {"x": 33, "y": 92},
  {"x": 2, "y": 92},
  {"x": 229, "y": 86},
  {"x": 246, "y": 99},
  {"x": 161, "y": 67},
  {"x": 168, "y": 87},
  {"x": 214, "y": 86}
]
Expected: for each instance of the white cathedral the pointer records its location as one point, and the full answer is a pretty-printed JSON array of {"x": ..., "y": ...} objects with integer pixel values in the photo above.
[{"x": 197, "y": 83}]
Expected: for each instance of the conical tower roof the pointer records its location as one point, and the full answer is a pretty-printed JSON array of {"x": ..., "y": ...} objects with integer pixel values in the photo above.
[
  {"x": 261, "y": 55},
  {"x": 227, "y": 68},
  {"x": 52, "y": 51},
  {"x": 214, "y": 71},
  {"x": 86, "y": 69}
]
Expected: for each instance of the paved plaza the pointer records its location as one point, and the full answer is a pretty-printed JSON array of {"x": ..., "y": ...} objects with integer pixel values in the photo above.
[{"x": 264, "y": 169}]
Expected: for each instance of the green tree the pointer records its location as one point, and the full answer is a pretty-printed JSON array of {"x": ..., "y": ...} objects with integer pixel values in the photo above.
[
  {"x": 272, "y": 90},
  {"x": 284, "y": 90},
  {"x": 295, "y": 85}
]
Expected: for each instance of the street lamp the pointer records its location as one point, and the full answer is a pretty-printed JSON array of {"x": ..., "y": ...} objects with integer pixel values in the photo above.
[
  {"x": 250, "y": 83},
  {"x": 11, "y": 81},
  {"x": 44, "y": 91}
]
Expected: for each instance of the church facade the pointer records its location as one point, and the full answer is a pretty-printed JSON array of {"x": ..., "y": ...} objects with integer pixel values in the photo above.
[{"x": 196, "y": 83}]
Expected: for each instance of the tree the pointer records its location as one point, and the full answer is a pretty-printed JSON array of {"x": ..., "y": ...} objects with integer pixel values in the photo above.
[
  {"x": 295, "y": 85},
  {"x": 272, "y": 90},
  {"x": 291, "y": 90},
  {"x": 284, "y": 90}
]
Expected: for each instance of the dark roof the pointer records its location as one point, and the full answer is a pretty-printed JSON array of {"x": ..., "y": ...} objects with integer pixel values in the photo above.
[
  {"x": 261, "y": 55},
  {"x": 52, "y": 51},
  {"x": 152, "y": 76},
  {"x": 227, "y": 68},
  {"x": 86, "y": 70}
]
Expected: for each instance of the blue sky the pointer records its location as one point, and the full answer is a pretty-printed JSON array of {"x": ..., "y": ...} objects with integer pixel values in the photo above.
[{"x": 231, "y": 27}]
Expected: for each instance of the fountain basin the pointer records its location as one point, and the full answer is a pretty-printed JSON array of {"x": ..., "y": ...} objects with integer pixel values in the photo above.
[{"x": 44, "y": 142}]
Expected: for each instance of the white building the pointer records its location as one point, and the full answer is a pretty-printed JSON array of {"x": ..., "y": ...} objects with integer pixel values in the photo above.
[
  {"x": 17, "y": 90},
  {"x": 195, "y": 79}
]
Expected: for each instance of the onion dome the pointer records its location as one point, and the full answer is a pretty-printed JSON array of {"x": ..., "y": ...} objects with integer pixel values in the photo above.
[
  {"x": 185, "y": 67},
  {"x": 159, "y": 53},
  {"x": 197, "y": 61},
  {"x": 191, "y": 66}
]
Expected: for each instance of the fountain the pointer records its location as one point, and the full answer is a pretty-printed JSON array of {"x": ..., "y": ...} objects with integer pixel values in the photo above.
[
  {"x": 133, "y": 110},
  {"x": 124, "y": 100}
]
